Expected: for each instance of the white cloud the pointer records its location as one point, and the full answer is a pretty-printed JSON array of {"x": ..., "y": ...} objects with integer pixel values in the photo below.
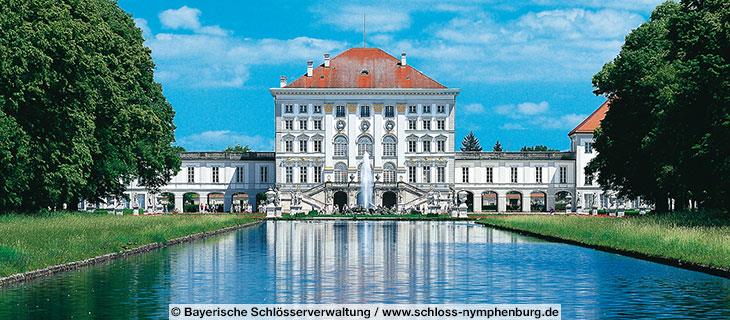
[
  {"x": 377, "y": 18},
  {"x": 474, "y": 108},
  {"x": 512, "y": 126},
  {"x": 218, "y": 140},
  {"x": 580, "y": 23},
  {"x": 564, "y": 122},
  {"x": 210, "y": 57},
  {"x": 522, "y": 110},
  {"x": 532, "y": 114},
  {"x": 186, "y": 18},
  {"x": 144, "y": 26}
]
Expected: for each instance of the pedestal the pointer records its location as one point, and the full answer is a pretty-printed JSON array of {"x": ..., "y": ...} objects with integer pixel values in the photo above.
[
  {"x": 296, "y": 209},
  {"x": 278, "y": 212},
  {"x": 434, "y": 209},
  {"x": 270, "y": 211},
  {"x": 463, "y": 209}
]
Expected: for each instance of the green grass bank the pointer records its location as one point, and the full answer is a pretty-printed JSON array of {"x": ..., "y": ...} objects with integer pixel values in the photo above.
[
  {"x": 31, "y": 242},
  {"x": 699, "y": 239}
]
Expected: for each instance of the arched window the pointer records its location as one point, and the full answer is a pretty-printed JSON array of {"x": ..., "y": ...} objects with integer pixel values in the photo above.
[
  {"x": 389, "y": 172},
  {"x": 340, "y": 146},
  {"x": 364, "y": 143},
  {"x": 340, "y": 172},
  {"x": 389, "y": 146}
]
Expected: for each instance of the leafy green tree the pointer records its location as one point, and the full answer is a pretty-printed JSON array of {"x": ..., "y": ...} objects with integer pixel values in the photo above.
[
  {"x": 13, "y": 162},
  {"x": 77, "y": 79},
  {"x": 537, "y": 148},
  {"x": 497, "y": 147},
  {"x": 470, "y": 143},
  {"x": 238, "y": 149},
  {"x": 668, "y": 127}
]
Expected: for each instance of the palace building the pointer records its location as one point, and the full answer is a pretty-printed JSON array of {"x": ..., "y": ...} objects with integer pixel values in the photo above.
[{"x": 365, "y": 105}]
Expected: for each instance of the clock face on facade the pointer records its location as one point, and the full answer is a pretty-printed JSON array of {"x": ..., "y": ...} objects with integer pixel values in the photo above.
[
  {"x": 365, "y": 125},
  {"x": 340, "y": 125},
  {"x": 389, "y": 125}
]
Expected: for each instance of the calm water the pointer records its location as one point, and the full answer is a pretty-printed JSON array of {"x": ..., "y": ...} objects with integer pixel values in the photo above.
[{"x": 378, "y": 262}]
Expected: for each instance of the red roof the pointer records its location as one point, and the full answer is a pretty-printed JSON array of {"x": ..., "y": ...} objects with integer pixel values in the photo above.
[
  {"x": 365, "y": 68},
  {"x": 593, "y": 121}
]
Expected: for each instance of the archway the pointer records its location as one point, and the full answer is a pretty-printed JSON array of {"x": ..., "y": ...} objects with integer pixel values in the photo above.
[
  {"x": 191, "y": 202},
  {"x": 240, "y": 202},
  {"x": 469, "y": 201},
  {"x": 215, "y": 202},
  {"x": 538, "y": 201},
  {"x": 514, "y": 201},
  {"x": 561, "y": 200},
  {"x": 390, "y": 199},
  {"x": 167, "y": 201},
  {"x": 489, "y": 201},
  {"x": 340, "y": 200}
]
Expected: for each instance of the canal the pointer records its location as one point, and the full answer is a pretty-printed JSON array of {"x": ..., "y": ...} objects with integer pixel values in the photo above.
[{"x": 374, "y": 262}]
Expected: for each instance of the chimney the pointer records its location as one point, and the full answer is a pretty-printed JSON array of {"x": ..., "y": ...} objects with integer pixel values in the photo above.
[
  {"x": 403, "y": 59},
  {"x": 326, "y": 60},
  {"x": 282, "y": 81},
  {"x": 310, "y": 63}
]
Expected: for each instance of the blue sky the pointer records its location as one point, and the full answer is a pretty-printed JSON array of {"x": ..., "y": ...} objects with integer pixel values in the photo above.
[{"x": 524, "y": 67}]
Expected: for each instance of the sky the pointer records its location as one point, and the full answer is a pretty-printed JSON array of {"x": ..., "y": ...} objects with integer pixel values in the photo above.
[{"x": 524, "y": 67}]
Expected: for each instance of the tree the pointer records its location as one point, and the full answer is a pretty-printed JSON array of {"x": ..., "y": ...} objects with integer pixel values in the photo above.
[
  {"x": 76, "y": 77},
  {"x": 238, "y": 149},
  {"x": 668, "y": 125},
  {"x": 537, "y": 148},
  {"x": 497, "y": 147},
  {"x": 470, "y": 143}
]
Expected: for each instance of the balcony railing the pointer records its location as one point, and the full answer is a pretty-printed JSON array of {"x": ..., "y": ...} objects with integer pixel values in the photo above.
[
  {"x": 522, "y": 155},
  {"x": 227, "y": 156}
]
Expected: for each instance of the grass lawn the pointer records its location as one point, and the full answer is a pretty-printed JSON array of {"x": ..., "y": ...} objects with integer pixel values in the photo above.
[
  {"x": 31, "y": 242},
  {"x": 697, "y": 237}
]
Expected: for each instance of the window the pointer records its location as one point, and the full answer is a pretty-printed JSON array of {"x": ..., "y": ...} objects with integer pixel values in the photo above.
[
  {"x": 563, "y": 174},
  {"x": 440, "y": 145},
  {"x": 389, "y": 111},
  {"x": 317, "y": 109},
  {"x": 426, "y": 146},
  {"x": 490, "y": 175},
  {"x": 191, "y": 175},
  {"x": 411, "y": 124},
  {"x": 317, "y": 174},
  {"x": 412, "y": 146},
  {"x": 340, "y": 146},
  {"x": 317, "y": 124},
  {"x": 412, "y": 109},
  {"x": 589, "y": 180},
  {"x": 289, "y": 124},
  {"x": 240, "y": 175},
  {"x": 289, "y": 146},
  {"x": 317, "y": 146},
  {"x": 264, "y": 174},
  {"x": 303, "y": 174},
  {"x": 513, "y": 174},
  {"x": 303, "y": 109},
  {"x": 364, "y": 144},
  {"x": 289, "y": 174},
  {"x": 538, "y": 174},
  {"x": 303, "y": 146},
  {"x": 441, "y": 109},
  {"x": 302, "y": 124},
  {"x": 215, "y": 174},
  {"x": 465, "y": 174},
  {"x": 340, "y": 172},
  {"x": 340, "y": 111},
  {"x": 288, "y": 108},
  {"x": 426, "y": 125},
  {"x": 441, "y": 174},
  {"x": 365, "y": 111},
  {"x": 441, "y": 124},
  {"x": 389, "y": 146},
  {"x": 389, "y": 173},
  {"x": 589, "y": 147},
  {"x": 412, "y": 174},
  {"x": 427, "y": 174},
  {"x": 426, "y": 109}
]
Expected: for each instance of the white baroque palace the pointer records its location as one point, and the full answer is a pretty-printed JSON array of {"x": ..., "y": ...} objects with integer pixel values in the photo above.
[{"x": 366, "y": 102}]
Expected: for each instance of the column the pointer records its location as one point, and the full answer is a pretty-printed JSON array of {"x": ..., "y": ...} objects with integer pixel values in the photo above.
[
  {"x": 501, "y": 201},
  {"x": 203, "y": 200},
  {"x": 526, "y": 207},
  {"x": 478, "y": 201},
  {"x": 227, "y": 201},
  {"x": 178, "y": 202},
  {"x": 550, "y": 202}
]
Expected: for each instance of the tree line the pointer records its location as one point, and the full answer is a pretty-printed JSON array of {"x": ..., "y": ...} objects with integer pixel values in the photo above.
[
  {"x": 667, "y": 131},
  {"x": 81, "y": 115}
]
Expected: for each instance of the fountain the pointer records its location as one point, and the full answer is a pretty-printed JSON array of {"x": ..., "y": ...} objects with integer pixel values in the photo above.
[{"x": 366, "y": 182}]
